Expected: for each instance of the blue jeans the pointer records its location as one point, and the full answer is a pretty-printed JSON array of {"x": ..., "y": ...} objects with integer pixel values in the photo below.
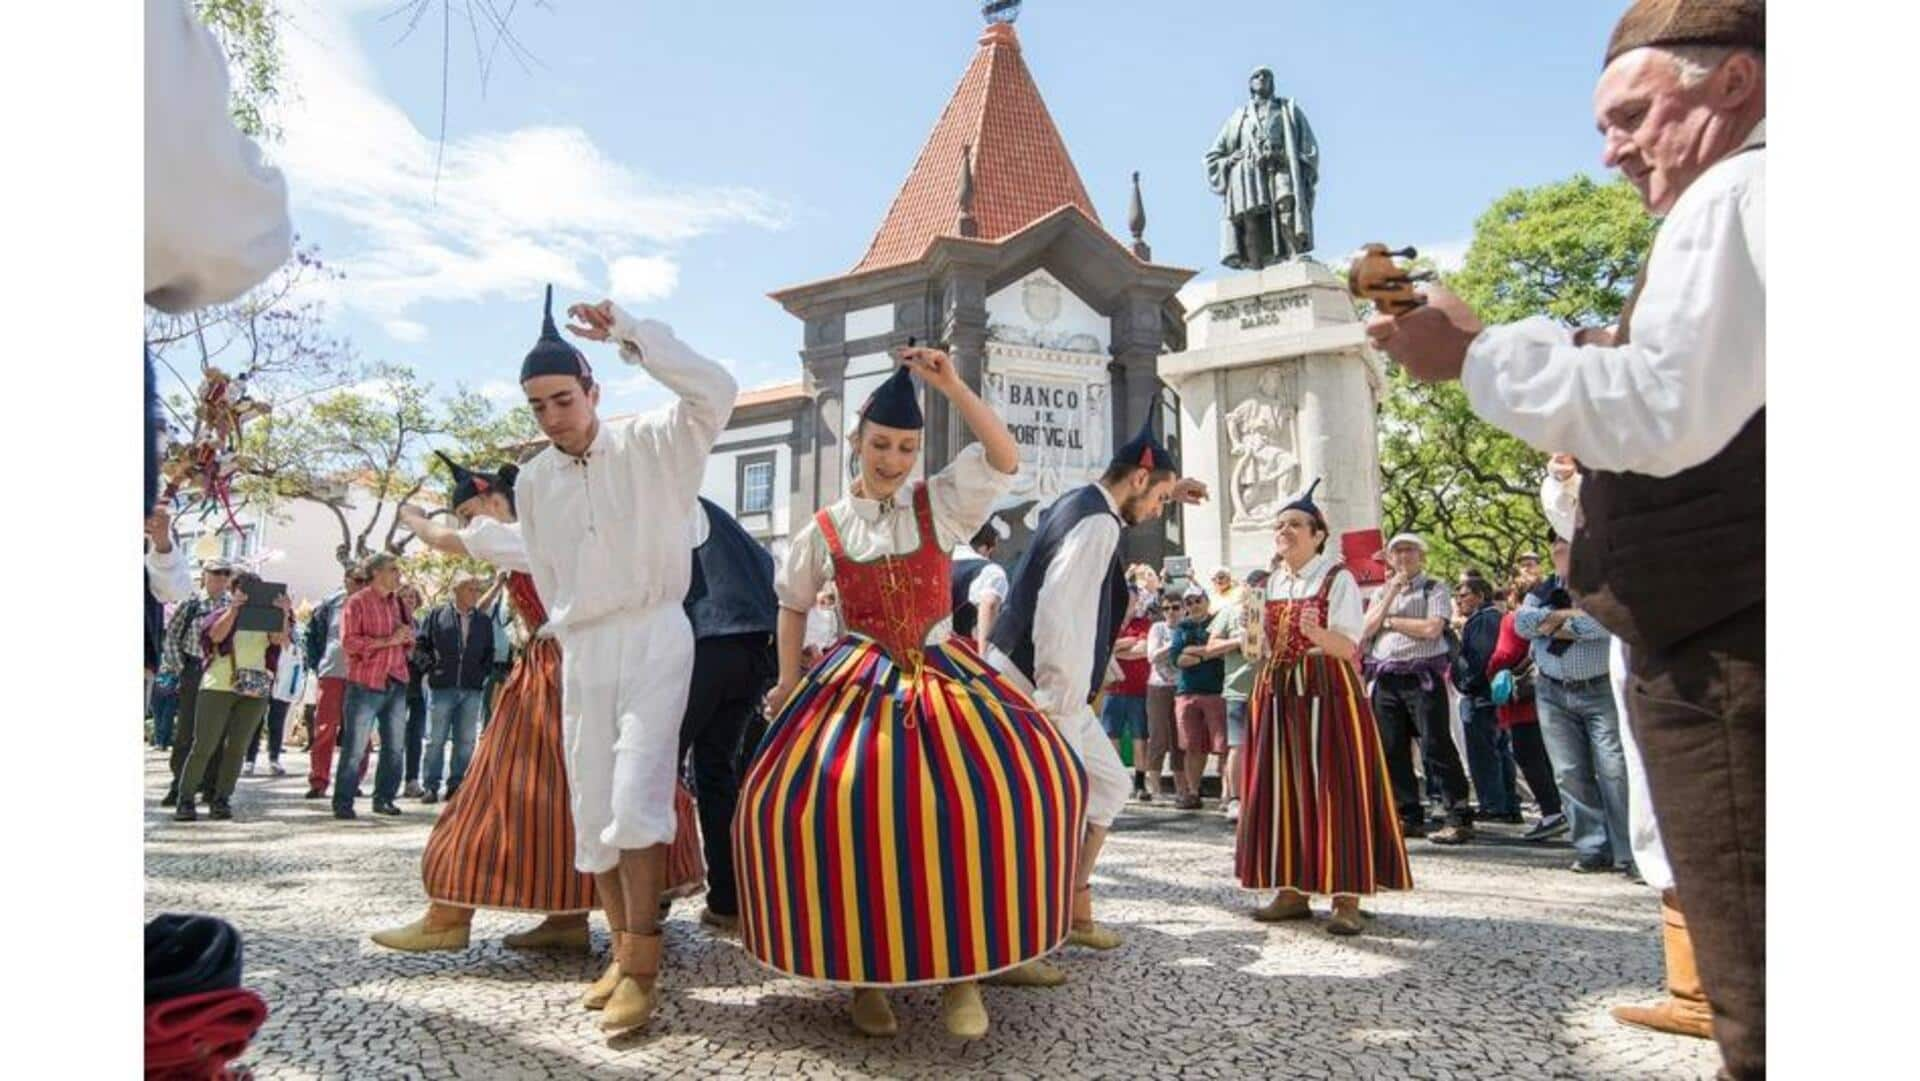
[
  {"x": 1489, "y": 757},
  {"x": 1582, "y": 731},
  {"x": 457, "y": 708},
  {"x": 365, "y": 708},
  {"x": 166, "y": 706}
]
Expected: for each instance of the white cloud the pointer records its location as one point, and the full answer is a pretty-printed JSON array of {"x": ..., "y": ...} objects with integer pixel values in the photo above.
[
  {"x": 511, "y": 211},
  {"x": 501, "y": 392},
  {"x": 405, "y": 330},
  {"x": 1449, "y": 256},
  {"x": 637, "y": 279}
]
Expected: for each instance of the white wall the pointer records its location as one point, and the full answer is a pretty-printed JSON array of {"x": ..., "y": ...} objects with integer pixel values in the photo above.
[
  {"x": 720, "y": 482},
  {"x": 1037, "y": 310},
  {"x": 294, "y": 543}
]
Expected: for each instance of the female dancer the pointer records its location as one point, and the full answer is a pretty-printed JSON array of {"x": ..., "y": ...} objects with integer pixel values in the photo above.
[
  {"x": 911, "y": 818},
  {"x": 506, "y": 840},
  {"x": 1317, "y": 813}
]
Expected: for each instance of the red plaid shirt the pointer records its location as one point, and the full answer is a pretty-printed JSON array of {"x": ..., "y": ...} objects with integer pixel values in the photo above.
[{"x": 366, "y": 619}]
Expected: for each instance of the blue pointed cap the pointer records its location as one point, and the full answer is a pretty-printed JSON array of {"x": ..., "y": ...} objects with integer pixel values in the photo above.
[
  {"x": 896, "y": 403},
  {"x": 1143, "y": 449},
  {"x": 552, "y": 354},
  {"x": 1305, "y": 503}
]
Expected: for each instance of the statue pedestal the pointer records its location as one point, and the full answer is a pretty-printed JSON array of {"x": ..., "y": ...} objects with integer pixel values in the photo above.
[{"x": 1277, "y": 387}]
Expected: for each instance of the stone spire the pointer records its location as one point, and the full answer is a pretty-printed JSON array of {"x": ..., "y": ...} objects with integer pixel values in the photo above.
[{"x": 1137, "y": 222}]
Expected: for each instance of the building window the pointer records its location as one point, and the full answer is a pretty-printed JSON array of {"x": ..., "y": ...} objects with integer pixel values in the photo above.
[
  {"x": 755, "y": 484},
  {"x": 237, "y": 546}
]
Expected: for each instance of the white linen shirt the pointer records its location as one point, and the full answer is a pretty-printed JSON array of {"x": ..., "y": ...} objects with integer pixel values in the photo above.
[
  {"x": 1560, "y": 500},
  {"x": 169, "y": 578},
  {"x": 1696, "y": 369},
  {"x": 990, "y": 582},
  {"x": 1345, "y": 614},
  {"x": 216, "y": 216},
  {"x": 1063, "y": 616},
  {"x": 499, "y": 543},
  {"x": 607, "y": 533},
  {"x": 961, "y": 497}
]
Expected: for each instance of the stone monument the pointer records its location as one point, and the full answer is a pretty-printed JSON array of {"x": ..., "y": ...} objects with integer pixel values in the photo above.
[
  {"x": 1265, "y": 165},
  {"x": 1277, "y": 386}
]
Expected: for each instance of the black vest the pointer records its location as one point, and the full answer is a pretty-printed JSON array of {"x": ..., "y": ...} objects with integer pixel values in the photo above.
[
  {"x": 1013, "y": 630},
  {"x": 732, "y": 588},
  {"x": 1660, "y": 559},
  {"x": 965, "y": 615}
]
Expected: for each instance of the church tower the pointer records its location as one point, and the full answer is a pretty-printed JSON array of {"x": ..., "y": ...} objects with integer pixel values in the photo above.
[{"x": 993, "y": 249}]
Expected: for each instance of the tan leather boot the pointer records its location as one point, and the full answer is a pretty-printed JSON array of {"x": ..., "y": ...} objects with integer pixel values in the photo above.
[
  {"x": 552, "y": 933},
  {"x": 963, "y": 1011},
  {"x": 1084, "y": 931},
  {"x": 1685, "y": 1012},
  {"x": 1346, "y": 916},
  {"x": 871, "y": 1013},
  {"x": 1035, "y": 973},
  {"x": 600, "y": 990},
  {"x": 631, "y": 1004},
  {"x": 444, "y": 927},
  {"x": 1286, "y": 905}
]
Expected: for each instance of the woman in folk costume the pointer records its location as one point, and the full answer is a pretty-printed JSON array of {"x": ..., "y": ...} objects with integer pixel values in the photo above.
[
  {"x": 911, "y": 818},
  {"x": 1317, "y": 813},
  {"x": 506, "y": 840}
]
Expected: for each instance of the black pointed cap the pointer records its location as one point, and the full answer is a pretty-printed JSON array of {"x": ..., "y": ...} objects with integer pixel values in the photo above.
[
  {"x": 1143, "y": 449},
  {"x": 1305, "y": 503},
  {"x": 466, "y": 482},
  {"x": 552, "y": 354},
  {"x": 896, "y": 403}
]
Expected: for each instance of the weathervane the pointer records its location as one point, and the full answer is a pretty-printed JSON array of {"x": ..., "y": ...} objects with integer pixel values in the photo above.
[{"x": 1000, "y": 11}]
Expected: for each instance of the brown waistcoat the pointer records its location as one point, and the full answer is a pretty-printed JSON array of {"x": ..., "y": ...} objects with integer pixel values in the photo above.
[{"x": 1659, "y": 559}]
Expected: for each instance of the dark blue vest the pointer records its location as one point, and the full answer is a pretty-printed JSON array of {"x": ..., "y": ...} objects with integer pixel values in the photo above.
[
  {"x": 965, "y": 615},
  {"x": 732, "y": 590},
  {"x": 1013, "y": 630}
]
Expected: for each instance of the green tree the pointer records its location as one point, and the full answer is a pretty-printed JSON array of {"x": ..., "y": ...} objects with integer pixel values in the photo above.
[
  {"x": 1569, "y": 250},
  {"x": 249, "y": 33}
]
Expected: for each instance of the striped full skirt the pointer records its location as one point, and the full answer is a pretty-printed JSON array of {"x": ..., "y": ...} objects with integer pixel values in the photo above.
[
  {"x": 505, "y": 840},
  {"x": 1316, "y": 811},
  {"x": 901, "y": 828}
]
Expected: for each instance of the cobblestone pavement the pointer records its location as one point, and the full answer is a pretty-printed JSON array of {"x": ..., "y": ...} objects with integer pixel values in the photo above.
[{"x": 1501, "y": 963}]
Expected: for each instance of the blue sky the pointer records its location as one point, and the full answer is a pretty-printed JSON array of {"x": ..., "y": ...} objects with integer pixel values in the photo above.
[{"x": 690, "y": 157}]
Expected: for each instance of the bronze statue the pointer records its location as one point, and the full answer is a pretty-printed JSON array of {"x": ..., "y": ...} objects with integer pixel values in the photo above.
[{"x": 1267, "y": 164}]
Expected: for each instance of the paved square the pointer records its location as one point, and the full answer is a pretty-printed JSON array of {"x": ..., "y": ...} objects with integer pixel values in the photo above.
[{"x": 1501, "y": 963}]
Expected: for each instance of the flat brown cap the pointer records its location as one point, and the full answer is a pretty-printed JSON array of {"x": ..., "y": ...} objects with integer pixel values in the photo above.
[{"x": 1741, "y": 23}]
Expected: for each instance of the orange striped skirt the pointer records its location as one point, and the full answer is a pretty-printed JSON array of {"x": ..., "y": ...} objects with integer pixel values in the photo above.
[
  {"x": 1316, "y": 810},
  {"x": 505, "y": 840},
  {"x": 905, "y": 828}
]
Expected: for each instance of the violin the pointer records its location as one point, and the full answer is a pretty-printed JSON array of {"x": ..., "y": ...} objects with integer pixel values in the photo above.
[{"x": 1375, "y": 276}]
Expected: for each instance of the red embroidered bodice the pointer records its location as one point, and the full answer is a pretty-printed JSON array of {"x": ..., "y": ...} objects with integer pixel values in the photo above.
[
  {"x": 894, "y": 600},
  {"x": 526, "y": 600},
  {"x": 1285, "y": 644}
]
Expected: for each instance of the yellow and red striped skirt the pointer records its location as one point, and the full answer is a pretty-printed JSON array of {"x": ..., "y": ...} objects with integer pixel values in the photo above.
[
  {"x": 1316, "y": 809},
  {"x": 505, "y": 840},
  {"x": 907, "y": 827}
]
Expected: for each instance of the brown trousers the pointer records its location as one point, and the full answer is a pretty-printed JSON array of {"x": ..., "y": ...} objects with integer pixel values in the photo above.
[{"x": 1699, "y": 710}]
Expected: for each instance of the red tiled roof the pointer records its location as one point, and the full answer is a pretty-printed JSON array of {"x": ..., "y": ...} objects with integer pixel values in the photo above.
[
  {"x": 767, "y": 395},
  {"x": 1021, "y": 170}
]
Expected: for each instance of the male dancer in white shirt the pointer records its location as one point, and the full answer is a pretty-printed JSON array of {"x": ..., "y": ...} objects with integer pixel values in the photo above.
[
  {"x": 1055, "y": 633},
  {"x": 604, "y": 512}
]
